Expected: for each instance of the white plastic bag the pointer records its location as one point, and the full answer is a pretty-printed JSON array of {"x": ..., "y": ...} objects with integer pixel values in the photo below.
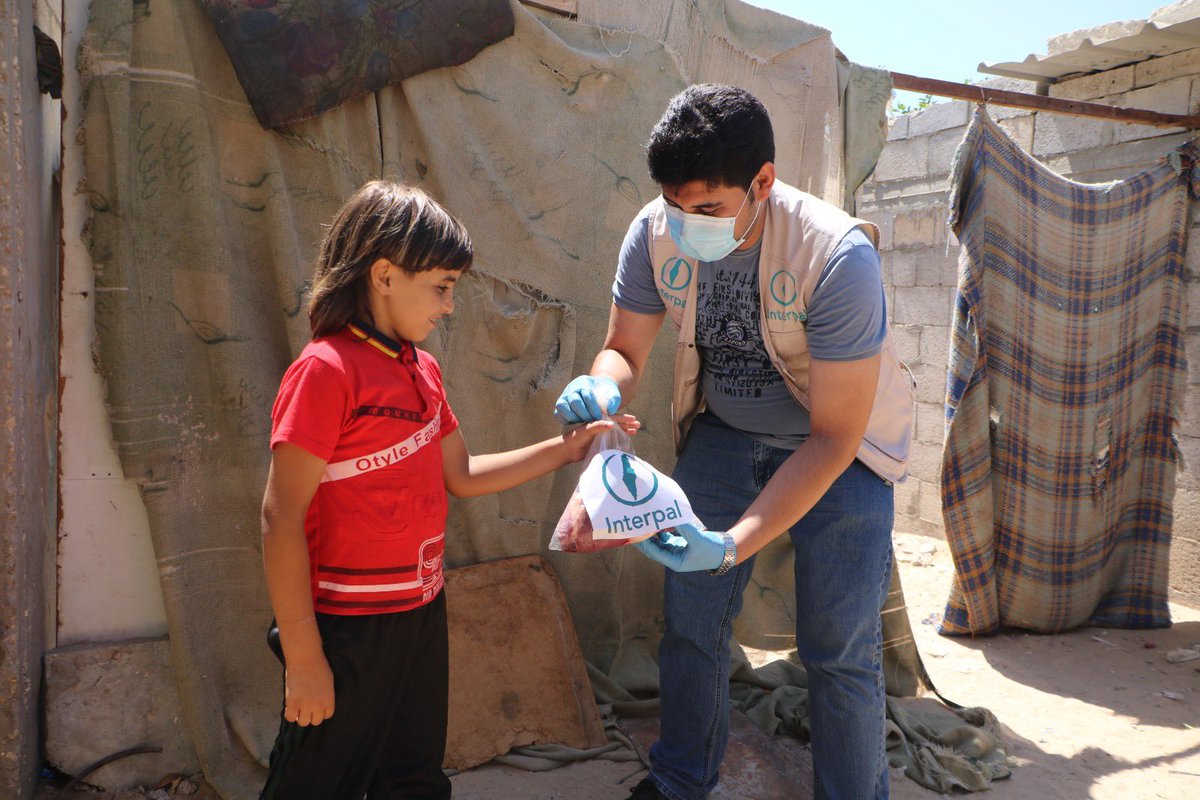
[{"x": 620, "y": 499}]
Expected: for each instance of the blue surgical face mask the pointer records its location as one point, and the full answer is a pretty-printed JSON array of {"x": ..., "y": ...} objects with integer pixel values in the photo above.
[{"x": 706, "y": 238}]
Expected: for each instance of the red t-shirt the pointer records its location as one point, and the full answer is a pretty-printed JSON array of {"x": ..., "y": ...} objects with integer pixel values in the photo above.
[{"x": 375, "y": 410}]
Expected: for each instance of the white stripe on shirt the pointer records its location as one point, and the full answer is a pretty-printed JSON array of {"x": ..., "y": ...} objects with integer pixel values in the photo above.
[{"x": 388, "y": 456}]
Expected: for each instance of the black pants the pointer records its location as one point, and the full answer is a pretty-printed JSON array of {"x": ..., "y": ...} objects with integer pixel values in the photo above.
[{"x": 387, "y": 736}]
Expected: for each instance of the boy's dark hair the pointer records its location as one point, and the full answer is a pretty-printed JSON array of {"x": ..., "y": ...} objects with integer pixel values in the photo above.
[
  {"x": 381, "y": 220},
  {"x": 713, "y": 133}
]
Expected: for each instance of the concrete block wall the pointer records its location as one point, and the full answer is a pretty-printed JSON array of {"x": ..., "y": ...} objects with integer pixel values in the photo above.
[{"x": 907, "y": 198}]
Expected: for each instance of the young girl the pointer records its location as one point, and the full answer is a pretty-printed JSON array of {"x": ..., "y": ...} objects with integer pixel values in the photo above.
[{"x": 364, "y": 449}]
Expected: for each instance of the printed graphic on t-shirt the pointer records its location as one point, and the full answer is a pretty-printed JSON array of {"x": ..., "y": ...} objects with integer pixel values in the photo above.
[
  {"x": 384, "y": 588},
  {"x": 429, "y": 566},
  {"x": 728, "y": 333},
  {"x": 369, "y": 462},
  {"x": 389, "y": 411}
]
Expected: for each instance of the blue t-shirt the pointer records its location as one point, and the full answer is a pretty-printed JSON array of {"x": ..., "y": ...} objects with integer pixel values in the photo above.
[{"x": 847, "y": 320}]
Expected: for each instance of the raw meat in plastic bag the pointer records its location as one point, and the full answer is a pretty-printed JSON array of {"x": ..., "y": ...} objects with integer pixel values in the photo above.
[{"x": 573, "y": 533}]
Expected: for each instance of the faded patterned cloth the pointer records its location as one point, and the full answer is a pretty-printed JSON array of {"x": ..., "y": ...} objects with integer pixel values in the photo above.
[
  {"x": 1066, "y": 372},
  {"x": 297, "y": 58}
]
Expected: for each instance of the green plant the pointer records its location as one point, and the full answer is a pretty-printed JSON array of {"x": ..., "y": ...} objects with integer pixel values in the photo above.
[{"x": 904, "y": 108}]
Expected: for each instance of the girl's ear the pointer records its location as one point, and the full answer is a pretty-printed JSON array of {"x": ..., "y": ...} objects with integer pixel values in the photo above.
[{"x": 379, "y": 276}]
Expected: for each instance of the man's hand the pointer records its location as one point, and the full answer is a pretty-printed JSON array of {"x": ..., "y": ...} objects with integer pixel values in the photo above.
[
  {"x": 587, "y": 399},
  {"x": 308, "y": 693},
  {"x": 688, "y": 549}
]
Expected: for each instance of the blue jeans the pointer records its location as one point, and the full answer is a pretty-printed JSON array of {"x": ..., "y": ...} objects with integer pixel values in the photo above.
[{"x": 843, "y": 571}]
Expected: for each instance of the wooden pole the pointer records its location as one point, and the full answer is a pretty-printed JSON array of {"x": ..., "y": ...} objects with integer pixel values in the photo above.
[{"x": 1037, "y": 102}]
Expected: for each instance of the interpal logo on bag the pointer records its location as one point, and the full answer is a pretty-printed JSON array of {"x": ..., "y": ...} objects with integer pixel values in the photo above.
[{"x": 625, "y": 497}]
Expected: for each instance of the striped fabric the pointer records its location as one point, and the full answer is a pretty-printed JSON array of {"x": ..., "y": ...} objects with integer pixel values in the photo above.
[{"x": 1067, "y": 370}]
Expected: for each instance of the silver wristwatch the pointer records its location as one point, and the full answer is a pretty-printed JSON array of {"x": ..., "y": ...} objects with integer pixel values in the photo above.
[{"x": 727, "y": 561}]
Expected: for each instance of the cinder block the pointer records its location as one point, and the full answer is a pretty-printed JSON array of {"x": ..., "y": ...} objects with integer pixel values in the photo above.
[
  {"x": 1171, "y": 97},
  {"x": 1193, "y": 314},
  {"x": 103, "y": 698},
  {"x": 1185, "y": 545},
  {"x": 931, "y": 497},
  {"x": 1189, "y": 425},
  {"x": 1187, "y": 512},
  {"x": 942, "y": 147},
  {"x": 919, "y": 305},
  {"x": 903, "y": 159},
  {"x": 1121, "y": 160},
  {"x": 1184, "y": 578},
  {"x": 923, "y": 190},
  {"x": 1100, "y": 84},
  {"x": 905, "y": 522},
  {"x": 925, "y": 463},
  {"x": 907, "y": 498},
  {"x": 920, "y": 226},
  {"x": 1192, "y": 344},
  {"x": 931, "y": 382},
  {"x": 1164, "y": 68},
  {"x": 913, "y": 524},
  {"x": 897, "y": 127},
  {"x": 904, "y": 267},
  {"x": 1191, "y": 257},
  {"x": 886, "y": 223},
  {"x": 885, "y": 267},
  {"x": 1057, "y": 133},
  {"x": 998, "y": 113},
  {"x": 864, "y": 198},
  {"x": 935, "y": 346},
  {"x": 939, "y": 117},
  {"x": 937, "y": 267},
  {"x": 907, "y": 339},
  {"x": 1020, "y": 129},
  {"x": 931, "y": 423},
  {"x": 1186, "y": 480}
]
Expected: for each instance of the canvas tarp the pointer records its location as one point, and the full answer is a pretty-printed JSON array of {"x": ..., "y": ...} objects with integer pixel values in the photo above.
[
  {"x": 203, "y": 234},
  {"x": 297, "y": 59}
]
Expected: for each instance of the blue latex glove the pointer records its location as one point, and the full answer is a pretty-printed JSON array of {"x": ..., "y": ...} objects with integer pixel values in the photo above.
[
  {"x": 587, "y": 399},
  {"x": 688, "y": 549}
]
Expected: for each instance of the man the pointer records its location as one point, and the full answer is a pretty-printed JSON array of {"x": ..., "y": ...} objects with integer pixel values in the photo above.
[{"x": 791, "y": 414}]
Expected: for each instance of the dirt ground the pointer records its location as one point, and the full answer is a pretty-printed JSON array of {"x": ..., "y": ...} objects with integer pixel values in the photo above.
[
  {"x": 1095, "y": 713},
  {"x": 1090, "y": 714}
]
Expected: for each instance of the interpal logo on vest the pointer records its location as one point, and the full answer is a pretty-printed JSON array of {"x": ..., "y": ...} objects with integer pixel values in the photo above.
[
  {"x": 784, "y": 294},
  {"x": 675, "y": 276},
  {"x": 676, "y": 273},
  {"x": 783, "y": 288}
]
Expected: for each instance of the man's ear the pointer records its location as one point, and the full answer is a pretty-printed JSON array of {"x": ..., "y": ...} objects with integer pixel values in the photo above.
[
  {"x": 764, "y": 180},
  {"x": 380, "y": 279}
]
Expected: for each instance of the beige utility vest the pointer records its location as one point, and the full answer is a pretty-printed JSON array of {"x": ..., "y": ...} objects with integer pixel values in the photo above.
[{"x": 800, "y": 235}]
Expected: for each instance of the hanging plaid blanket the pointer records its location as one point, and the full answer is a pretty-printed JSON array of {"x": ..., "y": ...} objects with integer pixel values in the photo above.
[{"x": 1066, "y": 373}]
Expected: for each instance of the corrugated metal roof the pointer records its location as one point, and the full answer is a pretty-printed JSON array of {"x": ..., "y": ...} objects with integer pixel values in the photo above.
[{"x": 1168, "y": 30}]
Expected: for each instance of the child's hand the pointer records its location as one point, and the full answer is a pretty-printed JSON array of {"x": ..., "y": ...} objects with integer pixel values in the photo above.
[
  {"x": 578, "y": 440},
  {"x": 308, "y": 693}
]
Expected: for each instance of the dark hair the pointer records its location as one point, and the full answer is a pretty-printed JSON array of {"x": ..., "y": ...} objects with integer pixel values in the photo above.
[
  {"x": 381, "y": 220},
  {"x": 713, "y": 133}
]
